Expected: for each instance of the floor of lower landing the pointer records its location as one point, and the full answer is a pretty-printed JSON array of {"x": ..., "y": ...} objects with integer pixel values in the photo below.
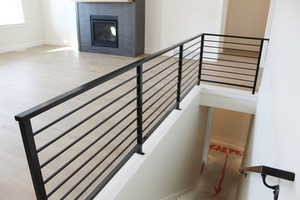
[{"x": 211, "y": 178}]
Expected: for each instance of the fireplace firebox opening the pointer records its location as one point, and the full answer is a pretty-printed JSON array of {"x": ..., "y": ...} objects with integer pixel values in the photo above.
[{"x": 104, "y": 30}]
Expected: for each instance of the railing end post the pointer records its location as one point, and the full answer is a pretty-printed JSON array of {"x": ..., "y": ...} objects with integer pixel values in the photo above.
[
  {"x": 178, "y": 98},
  {"x": 201, "y": 58},
  {"x": 140, "y": 150},
  {"x": 258, "y": 65},
  {"x": 32, "y": 158},
  {"x": 178, "y": 107},
  {"x": 140, "y": 131}
]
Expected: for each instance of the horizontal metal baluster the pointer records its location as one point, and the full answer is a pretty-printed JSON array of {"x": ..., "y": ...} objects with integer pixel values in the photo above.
[
  {"x": 125, "y": 158},
  {"x": 158, "y": 99},
  {"x": 191, "y": 45},
  {"x": 185, "y": 56},
  {"x": 155, "y": 75},
  {"x": 160, "y": 105},
  {"x": 189, "y": 81},
  {"x": 189, "y": 73},
  {"x": 98, "y": 164},
  {"x": 236, "y": 43},
  {"x": 156, "y": 65},
  {"x": 151, "y": 57},
  {"x": 160, "y": 89},
  {"x": 85, "y": 120},
  {"x": 188, "y": 60},
  {"x": 196, "y": 61},
  {"x": 164, "y": 109},
  {"x": 92, "y": 144},
  {"x": 187, "y": 90},
  {"x": 226, "y": 60},
  {"x": 237, "y": 79},
  {"x": 229, "y": 66},
  {"x": 82, "y": 165},
  {"x": 214, "y": 70},
  {"x": 106, "y": 168},
  {"x": 86, "y": 134},
  {"x": 82, "y": 106},
  {"x": 214, "y": 47},
  {"x": 226, "y": 54},
  {"x": 158, "y": 82},
  {"x": 158, "y": 123},
  {"x": 231, "y": 84}
]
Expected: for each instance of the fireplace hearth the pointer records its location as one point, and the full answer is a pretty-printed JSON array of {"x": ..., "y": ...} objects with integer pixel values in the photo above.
[{"x": 112, "y": 28}]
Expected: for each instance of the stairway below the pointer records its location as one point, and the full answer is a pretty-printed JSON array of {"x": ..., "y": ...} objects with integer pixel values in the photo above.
[{"x": 217, "y": 177}]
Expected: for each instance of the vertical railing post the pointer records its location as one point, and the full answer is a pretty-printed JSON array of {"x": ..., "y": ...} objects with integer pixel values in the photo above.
[
  {"x": 178, "y": 98},
  {"x": 139, "y": 71},
  {"x": 32, "y": 158},
  {"x": 258, "y": 65},
  {"x": 201, "y": 58}
]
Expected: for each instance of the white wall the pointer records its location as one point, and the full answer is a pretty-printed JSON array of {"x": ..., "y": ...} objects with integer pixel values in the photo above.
[
  {"x": 231, "y": 128},
  {"x": 171, "y": 21},
  {"x": 208, "y": 134},
  {"x": 16, "y": 37},
  {"x": 167, "y": 21},
  {"x": 275, "y": 138},
  {"x": 228, "y": 99},
  {"x": 247, "y": 17},
  {"x": 154, "y": 25},
  {"x": 59, "y": 22}
]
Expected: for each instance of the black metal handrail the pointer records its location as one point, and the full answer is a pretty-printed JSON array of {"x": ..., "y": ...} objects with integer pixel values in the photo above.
[
  {"x": 223, "y": 53},
  {"x": 269, "y": 171},
  {"x": 155, "y": 95}
]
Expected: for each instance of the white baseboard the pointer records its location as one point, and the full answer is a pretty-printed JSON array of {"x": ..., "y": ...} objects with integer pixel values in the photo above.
[
  {"x": 73, "y": 42},
  {"x": 20, "y": 47},
  {"x": 176, "y": 195},
  {"x": 149, "y": 51}
]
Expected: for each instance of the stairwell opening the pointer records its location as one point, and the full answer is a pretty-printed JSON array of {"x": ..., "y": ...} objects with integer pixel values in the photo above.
[{"x": 227, "y": 135}]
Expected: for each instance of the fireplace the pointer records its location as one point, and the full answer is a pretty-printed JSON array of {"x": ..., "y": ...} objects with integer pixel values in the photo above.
[
  {"x": 116, "y": 28},
  {"x": 104, "y": 31}
]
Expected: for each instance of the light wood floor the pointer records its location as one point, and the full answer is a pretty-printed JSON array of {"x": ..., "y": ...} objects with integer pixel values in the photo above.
[
  {"x": 33, "y": 76},
  {"x": 29, "y": 78}
]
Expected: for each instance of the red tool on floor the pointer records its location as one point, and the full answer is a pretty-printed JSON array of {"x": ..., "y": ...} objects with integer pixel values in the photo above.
[{"x": 218, "y": 187}]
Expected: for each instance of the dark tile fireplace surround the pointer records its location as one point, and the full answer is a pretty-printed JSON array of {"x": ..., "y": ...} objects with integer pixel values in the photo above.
[{"x": 112, "y": 28}]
